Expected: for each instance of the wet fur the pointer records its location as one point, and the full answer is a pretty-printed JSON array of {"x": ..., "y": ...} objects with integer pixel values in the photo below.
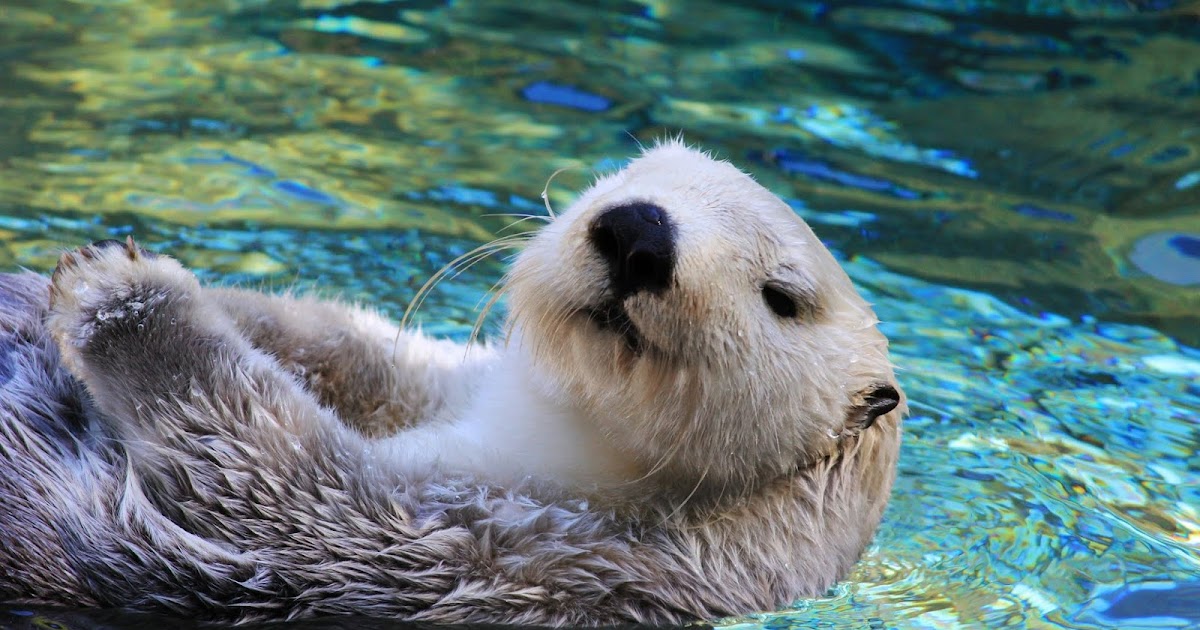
[{"x": 236, "y": 456}]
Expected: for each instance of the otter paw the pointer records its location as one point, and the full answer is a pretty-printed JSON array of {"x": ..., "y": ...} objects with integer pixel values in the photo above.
[{"x": 110, "y": 288}]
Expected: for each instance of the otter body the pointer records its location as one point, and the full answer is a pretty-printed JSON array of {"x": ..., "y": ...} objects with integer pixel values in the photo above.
[{"x": 693, "y": 417}]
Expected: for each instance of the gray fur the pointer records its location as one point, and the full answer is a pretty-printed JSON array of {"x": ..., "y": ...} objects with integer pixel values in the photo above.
[
  {"x": 169, "y": 448},
  {"x": 8, "y": 347}
]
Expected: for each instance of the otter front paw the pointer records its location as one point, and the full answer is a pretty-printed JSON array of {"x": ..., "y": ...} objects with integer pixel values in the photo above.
[{"x": 109, "y": 290}]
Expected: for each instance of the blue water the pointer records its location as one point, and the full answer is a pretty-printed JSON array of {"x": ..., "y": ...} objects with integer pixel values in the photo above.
[{"x": 1015, "y": 185}]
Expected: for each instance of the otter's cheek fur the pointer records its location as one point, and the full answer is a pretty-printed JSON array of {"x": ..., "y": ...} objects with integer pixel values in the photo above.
[{"x": 694, "y": 416}]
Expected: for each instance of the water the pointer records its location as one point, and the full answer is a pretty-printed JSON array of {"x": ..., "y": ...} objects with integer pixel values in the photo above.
[{"x": 1016, "y": 185}]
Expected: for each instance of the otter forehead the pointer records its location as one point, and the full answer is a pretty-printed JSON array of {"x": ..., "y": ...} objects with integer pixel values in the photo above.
[
  {"x": 687, "y": 180},
  {"x": 713, "y": 205}
]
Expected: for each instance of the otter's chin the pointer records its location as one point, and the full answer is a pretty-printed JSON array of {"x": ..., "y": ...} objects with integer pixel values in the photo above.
[{"x": 611, "y": 317}]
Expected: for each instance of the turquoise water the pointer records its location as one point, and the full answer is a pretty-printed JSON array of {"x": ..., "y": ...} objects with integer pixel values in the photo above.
[{"x": 1016, "y": 185}]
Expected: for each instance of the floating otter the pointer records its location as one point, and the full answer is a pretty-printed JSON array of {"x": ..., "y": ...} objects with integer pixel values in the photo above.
[{"x": 693, "y": 416}]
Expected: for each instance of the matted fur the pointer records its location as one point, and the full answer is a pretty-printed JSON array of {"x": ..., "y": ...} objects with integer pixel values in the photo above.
[{"x": 234, "y": 456}]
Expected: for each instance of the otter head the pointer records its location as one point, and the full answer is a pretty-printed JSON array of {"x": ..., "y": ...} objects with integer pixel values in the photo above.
[{"x": 696, "y": 322}]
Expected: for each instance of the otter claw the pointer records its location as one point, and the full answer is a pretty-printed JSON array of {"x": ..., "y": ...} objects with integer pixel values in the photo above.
[
  {"x": 92, "y": 250},
  {"x": 71, "y": 260}
]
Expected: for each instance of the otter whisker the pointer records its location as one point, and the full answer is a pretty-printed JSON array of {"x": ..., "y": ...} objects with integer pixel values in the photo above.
[
  {"x": 688, "y": 498},
  {"x": 546, "y": 190},
  {"x": 457, "y": 267},
  {"x": 453, "y": 267},
  {"x": 495, "y": 297},
  {"x": 667, "y": 456},
  {"x": 560, "y": 318},
  {"x": 519, "y": 215},
  {"x": 521, "y": 218},
  {"x": 658, "y": 465},
  {"x": 641, "y": 147},
  {"x": 556, "y": 319},
  {"x": 661, "y": 463}
]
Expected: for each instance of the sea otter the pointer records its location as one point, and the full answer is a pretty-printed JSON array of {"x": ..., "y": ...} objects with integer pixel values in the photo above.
[{"x": 692, "y": 415}]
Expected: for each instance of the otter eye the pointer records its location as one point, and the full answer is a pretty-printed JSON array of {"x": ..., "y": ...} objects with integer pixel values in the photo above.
[{"x": 779, "y": 302}]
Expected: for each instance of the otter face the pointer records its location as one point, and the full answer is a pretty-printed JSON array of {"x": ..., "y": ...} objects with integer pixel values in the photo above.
[{"x": 692, "y": 317}]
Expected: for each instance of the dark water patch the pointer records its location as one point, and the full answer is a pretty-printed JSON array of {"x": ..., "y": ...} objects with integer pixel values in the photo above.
[
  {"x": 1157, "y": 603},
  {"x": 179, "y": 126},
  {"x": 1186, "y": 245},
  {"x": 798, "y": 163},
  {"x": 1122, "y": 150},
  {"x": 252, "y": 169},
  {"x": 1038, "y": 212},
  {"x": 304, "y": 193},
  {"x": 1075, "y": 378},
  {"x": 1168, "y": 154},
  {"x": 975, "y": 475},
  {"x": 377, "y": 11},
  {"x": 955, "y": 51}
]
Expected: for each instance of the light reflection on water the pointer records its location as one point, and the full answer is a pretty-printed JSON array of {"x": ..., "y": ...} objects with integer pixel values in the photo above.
[{"x": 1047, "y": 166}]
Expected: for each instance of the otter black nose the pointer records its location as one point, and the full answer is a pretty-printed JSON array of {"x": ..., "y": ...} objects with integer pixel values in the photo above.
[{"x": 637, "y": 240}]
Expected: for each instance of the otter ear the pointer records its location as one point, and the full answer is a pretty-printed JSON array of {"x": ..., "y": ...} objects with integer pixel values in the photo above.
[{"x": 876, "y": 401}]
